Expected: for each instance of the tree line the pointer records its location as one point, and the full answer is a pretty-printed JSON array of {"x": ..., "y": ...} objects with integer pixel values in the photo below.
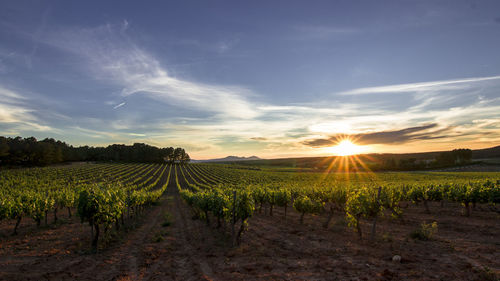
[
  {"x": 443, "y": 159},
  {"x": 33, "y": 152}
]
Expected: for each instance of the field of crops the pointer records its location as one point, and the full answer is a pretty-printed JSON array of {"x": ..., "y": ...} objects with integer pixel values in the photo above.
[
  {"x": 226, "y": 221},
  {"x": 358, "y": 196},
  {"x": 101, "y": 194}
]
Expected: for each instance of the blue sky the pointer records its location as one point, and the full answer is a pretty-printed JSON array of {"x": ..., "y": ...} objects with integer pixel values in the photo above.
[{"x": 265, "y": 78}]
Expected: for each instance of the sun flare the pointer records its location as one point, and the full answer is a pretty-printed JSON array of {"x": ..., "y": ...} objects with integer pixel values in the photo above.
[{"x": 346, "y": 147}]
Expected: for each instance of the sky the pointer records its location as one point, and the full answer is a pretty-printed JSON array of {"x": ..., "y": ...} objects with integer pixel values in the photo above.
[{"x": 267, "y": 78}]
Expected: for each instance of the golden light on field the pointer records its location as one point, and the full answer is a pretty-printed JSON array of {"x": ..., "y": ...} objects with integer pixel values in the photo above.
[
  {"x": 347, "y": 159},
  {"x": 346, "y": 148}
]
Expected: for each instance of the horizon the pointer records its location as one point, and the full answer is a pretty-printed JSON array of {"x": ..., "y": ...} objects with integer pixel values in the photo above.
[
  {"x": 291, "y": 157},
  {"x": 357, "y": 154},
  {"x": 274, "y": 80}
]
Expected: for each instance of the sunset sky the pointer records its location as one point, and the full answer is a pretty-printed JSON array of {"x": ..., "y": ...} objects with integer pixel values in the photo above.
[{"x": 265, "y": 78}]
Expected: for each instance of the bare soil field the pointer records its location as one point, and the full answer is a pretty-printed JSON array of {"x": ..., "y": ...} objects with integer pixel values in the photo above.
[{"x": 464, "y": 248}]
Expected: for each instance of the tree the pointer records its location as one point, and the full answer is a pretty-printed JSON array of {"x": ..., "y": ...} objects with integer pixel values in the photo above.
[
  {"x": 30, "y": 151},
  {"x": 185, "y": 158},
  {"x": 168, "y": 154},
  {"x": 462, "y": 155},
  {"x": 456, "y": 156},
  {"x": 177, "y": 154},
  {"x": 4, "y": 147}
]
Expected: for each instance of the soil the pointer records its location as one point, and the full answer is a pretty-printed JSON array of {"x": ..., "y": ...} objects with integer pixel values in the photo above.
[{"x": 178, "y": 247}]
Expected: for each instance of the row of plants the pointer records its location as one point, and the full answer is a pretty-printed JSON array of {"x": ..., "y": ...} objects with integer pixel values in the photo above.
[
  {"x": 99, "y": 200},
  {"x": 358, "y": 197}
]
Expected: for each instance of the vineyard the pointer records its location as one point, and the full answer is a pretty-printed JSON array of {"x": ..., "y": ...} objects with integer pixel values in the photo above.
[
  {"x": 226, "y": 221},
  {"x": 101, "y": 194}
]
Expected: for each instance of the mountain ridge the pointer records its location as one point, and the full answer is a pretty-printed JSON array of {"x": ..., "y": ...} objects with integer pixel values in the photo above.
[{"x": 229, "y": 158}]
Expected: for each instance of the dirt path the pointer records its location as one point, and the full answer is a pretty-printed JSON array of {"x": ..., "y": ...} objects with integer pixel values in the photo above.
[
  {"x": 157, "y": 252},
  {"x": 178, "y": 256}
]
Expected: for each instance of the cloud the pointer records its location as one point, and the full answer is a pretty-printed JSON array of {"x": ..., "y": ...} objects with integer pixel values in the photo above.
[
  {"x": 15, "y": 112},
  {"x": 384, "y": 137},
  {"x": 225, "y": 46},
  {"x": 96, "y": 133},
  {"x": 218, "y": 117},
  {"x": 114, "y": 57},
  {"x": 10, "y": 96},
  {"x": 137, "y": 135},
  {"x": 418, "y": 87},
  {"x": 119, "y": 105},
  {"x": 320, "y": 142}
]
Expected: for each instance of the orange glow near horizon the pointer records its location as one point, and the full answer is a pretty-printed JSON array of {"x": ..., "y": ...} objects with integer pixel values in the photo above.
[
  {"x": 350, "y": 166},
  {"x": 346, "y": 147},
  {"x": 347, "y": 162}
]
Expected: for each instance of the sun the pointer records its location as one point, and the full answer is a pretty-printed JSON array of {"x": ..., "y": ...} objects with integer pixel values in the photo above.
[{"x": 346, "y": 147}]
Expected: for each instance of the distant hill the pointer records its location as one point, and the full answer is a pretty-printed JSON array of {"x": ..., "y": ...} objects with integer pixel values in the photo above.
[
  {"x": 370, "y": 161},
  {"x": 229, "y": 159},
  {"x": 492, "y": 152}
]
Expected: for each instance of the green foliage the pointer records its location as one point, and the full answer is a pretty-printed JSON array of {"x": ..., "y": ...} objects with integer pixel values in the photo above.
[
  {"x": 167, "y": 219},
  {"x": 159, "y": 236},
  {"x": 425, "y": 231},
  {"x": 282, "y": 197},
  {"x": 40, "y": 204},
  {"x": 390, "y": 197},
  {"x": 101, "y": 196},
  {"x": 306, "y": 205},
  {"x": 457, "y": 156},
  {"x": 30, "y": 151},
  {"x": 244, "y": 205},
  {"x": 354, "y": 196},
  {"x": 101, "y": 204},
  {"x": 362, "y": 203}
]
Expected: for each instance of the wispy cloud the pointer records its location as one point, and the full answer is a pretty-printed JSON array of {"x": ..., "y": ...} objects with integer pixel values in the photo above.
[
  {"x": 137, "y": 135},
  {"x": 226, "y": 45},
  {"x": 110, "y": 136},
  {"x": 16, "y": 114},
  {"x": 112, "y": 55},
  {"x": 10, "y": 96},
  {"x": 416, "y": 87},
  {"x": 119, "y": 105}
]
